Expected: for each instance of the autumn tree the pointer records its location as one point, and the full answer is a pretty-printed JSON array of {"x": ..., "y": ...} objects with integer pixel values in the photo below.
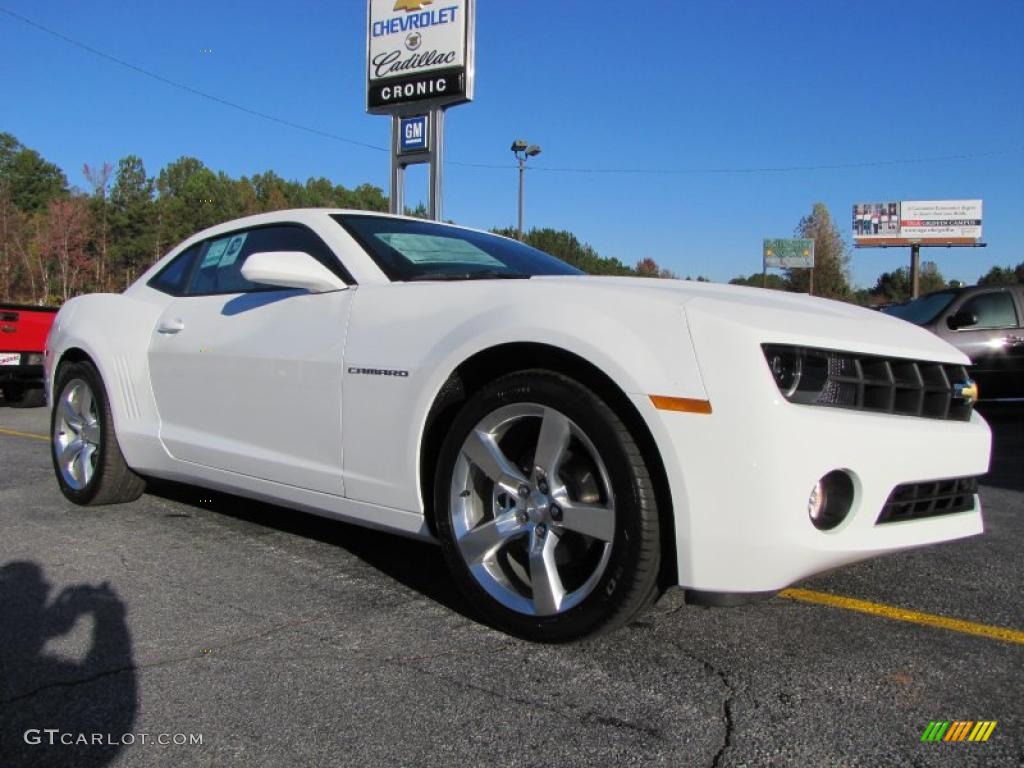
[
  {"x": 61, "y": 246},
  {"x": 99, "y": 180},
  {"x": 647, "y": 267},
  {"x": 831, "y": 259}
]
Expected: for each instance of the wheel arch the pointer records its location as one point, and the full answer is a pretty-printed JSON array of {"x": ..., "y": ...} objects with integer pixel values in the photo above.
[
  {"x": 77, "y": 353},
  {"x": 72, "y": 354},
  {"x": 489, "y": 364}
]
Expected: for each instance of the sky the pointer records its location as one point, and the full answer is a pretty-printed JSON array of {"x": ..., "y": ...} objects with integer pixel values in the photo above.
[{"x": 661, "y": 122}]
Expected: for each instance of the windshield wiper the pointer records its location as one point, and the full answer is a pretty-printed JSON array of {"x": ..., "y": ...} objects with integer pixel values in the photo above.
[{"x": 482, "y": 274}]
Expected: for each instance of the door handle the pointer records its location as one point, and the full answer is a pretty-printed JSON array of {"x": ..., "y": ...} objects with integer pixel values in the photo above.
[
  {"x": 1013, "y": 341},
  {"x": 170, "y": 326}
]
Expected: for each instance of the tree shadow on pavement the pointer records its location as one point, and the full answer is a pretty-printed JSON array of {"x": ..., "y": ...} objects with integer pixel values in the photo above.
[
  {"x": 40, "y": 690},
  {"x": 417, "y": 565}
]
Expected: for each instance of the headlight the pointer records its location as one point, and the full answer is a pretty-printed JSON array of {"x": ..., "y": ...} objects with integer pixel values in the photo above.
[
  {"x": 787, "y": 365},
  {"x": 802, "y": 375}
]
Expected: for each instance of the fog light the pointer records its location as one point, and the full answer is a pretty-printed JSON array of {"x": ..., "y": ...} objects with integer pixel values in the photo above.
[
  {"x": 816, "y": 504},
  {"x": 33, "y": 358},
  {"x": 831, "y": 500}
]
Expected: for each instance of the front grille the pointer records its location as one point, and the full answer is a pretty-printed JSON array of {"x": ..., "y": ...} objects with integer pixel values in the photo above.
[
  {"x": 937, "y": 497},
  {"x": 870, "y": 383},
  {"x": 905, "y": 387}
]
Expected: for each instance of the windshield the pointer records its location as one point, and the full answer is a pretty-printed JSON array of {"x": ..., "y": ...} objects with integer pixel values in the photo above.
[
  {"x": 424, "y": 250},
  {"x": 923, "y": 310}
]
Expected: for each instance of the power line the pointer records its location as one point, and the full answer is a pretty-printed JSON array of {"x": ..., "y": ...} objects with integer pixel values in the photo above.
[
  {"x": 785, "y": 169},
  {"x": 507, "y": 166},
  {"x": 188, "y": 88}
]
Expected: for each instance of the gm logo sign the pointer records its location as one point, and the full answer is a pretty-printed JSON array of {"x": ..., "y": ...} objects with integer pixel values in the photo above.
[{"x": 414, "y": 136}]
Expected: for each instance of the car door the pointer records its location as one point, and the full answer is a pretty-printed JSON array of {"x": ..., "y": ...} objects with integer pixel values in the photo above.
[
  {"x": 994, "y": 343},
  {"x": 247, "y": 378}
]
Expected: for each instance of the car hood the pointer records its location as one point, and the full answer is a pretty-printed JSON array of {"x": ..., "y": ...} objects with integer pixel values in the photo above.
[{"x": 787, "y": 318}]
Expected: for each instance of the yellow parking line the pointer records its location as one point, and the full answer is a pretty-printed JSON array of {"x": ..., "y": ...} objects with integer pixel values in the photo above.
[
  {"x": 902, "y": 614},
  {"x": 16, "y": 433}
]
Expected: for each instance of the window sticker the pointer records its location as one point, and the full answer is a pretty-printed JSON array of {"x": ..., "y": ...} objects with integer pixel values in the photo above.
[
  {"x": 234, "y": 250},
  {"x": 214, "y": 253},
  {"x": 431, "y": 249}
]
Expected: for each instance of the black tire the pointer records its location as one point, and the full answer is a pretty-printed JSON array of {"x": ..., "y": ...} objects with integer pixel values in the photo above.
[
  {"x": 111, "y": 481},
  {"x": 33, "y": 397},
  {"x": 628, "y": 583}
]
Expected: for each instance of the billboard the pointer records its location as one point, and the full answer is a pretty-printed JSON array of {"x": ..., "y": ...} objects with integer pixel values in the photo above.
[
  {"x": 910, "y": 222},
  {"x": 419, "y": 54},
  {"x": 788, "y": 253}
]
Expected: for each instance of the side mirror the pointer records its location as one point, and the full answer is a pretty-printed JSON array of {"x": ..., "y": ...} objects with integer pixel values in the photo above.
[
  {"x": 961, "y": 319},
  {"x": 291, "y": 269}
]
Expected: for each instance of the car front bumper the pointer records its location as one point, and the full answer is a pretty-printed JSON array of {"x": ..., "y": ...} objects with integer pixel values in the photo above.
[
  {"x": 21, "y": 375},
  {"x": 740, "y": 494}
]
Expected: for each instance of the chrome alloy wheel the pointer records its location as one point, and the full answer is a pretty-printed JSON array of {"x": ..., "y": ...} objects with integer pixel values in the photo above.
[
  {"x": 76, "y": 434},
  {"x": 532, "y": 509}
]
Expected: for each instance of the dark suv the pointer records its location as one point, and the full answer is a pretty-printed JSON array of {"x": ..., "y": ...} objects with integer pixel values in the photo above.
[{"x": 984, "y": 322}]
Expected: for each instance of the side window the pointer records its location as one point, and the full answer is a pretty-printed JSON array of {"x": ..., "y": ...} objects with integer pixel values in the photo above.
[
  {"x": 171, "y": 279},
  {"x": 994, "y": 310},
  {"x": 221, "y": 258}
]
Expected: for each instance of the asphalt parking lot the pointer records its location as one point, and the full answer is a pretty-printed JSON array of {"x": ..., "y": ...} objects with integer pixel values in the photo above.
[{"x": 283, "y": 639}]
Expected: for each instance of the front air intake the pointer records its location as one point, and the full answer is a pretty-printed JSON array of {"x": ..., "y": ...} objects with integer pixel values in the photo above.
[{"x": 913, "y": 501}]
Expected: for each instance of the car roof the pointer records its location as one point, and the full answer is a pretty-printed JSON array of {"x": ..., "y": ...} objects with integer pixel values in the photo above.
[{"x": 308, "y": 215}]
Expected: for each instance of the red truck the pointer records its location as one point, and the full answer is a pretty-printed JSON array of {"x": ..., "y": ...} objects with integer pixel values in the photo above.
[{"x": 23, "y": 332}]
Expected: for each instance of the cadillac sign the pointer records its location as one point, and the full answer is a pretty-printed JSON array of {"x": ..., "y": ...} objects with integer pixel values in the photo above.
[{"x": 419, "y": 54}]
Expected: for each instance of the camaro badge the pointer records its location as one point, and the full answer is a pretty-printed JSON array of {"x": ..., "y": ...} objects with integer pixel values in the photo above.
[
  {"x": 379, "y": 372},
  {"x": 411, "y": 5},
  {"x": 966, "y": 391}
]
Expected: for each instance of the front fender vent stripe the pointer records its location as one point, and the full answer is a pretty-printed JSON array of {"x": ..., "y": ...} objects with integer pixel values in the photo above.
[
  {"x": 681, "y": 404},
  {"x": 124, "y": 377}
]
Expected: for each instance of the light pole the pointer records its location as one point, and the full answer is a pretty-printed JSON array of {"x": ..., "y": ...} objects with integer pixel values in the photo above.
[{"x": 522, "y": 150}]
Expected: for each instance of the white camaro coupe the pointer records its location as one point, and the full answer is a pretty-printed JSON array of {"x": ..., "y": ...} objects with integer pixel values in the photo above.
[{"x": 575, "y": 443}]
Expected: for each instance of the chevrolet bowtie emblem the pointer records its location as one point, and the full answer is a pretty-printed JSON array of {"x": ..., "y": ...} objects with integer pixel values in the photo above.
[
  {"x": 411, "y": 5},
  {"x": 967, "y": 391}
]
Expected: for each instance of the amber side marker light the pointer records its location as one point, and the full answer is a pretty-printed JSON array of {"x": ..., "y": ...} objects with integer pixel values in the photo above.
[{"x": 683, "y": 404}]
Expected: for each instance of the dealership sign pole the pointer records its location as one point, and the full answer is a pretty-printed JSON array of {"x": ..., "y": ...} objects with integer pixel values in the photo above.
[
  {"x": 918, "y": 223},
  {"x": 420, "y": 61}
]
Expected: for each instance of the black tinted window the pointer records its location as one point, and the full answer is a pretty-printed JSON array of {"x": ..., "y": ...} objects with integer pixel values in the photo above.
[
  {"x": 220, "y": 259},
  {"x": 424, "y": 250},
  {"x": 171, "y": 279},
  {"x": 921, "y": 310},
  {"x": 994, "y": 310}
]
